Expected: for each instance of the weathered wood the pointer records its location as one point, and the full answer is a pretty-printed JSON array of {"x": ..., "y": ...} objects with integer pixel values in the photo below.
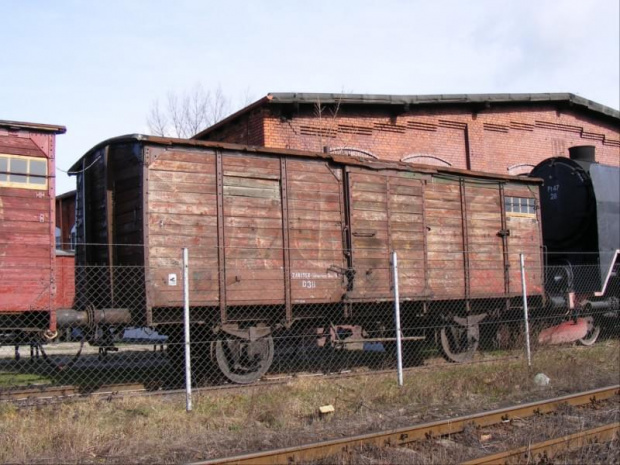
[
  {"x": 305, "y": 166},
  {"x": 266, "y": 242},
  {"x": 266, "y": 296},
  {"x": 158, "y": 220},
  {"x": 330, "y": 217},
  {"x": 202, "y": 157},
  {"x": 324, "y": 231},
  {"x": 192, "y": 188},
  {"x": 181, "y": 166},
  {"x": 173, "y": 177},
  {"x": 325, "y": 187},
  {"x": 256, "y": 285},
  {"x": 163, "y": 240},
  {"x": 246, "y": 160},
  {"x": 253, "y": 227},
  {"x": 442, "y": 205},
  {"x": 296, "y": 205},
  {"x": 301, "y": 254},
  {"x": 233, "y": 223}
]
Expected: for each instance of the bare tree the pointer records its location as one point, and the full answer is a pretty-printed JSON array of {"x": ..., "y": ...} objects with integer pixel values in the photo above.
[{"x": 185, "y": 114}]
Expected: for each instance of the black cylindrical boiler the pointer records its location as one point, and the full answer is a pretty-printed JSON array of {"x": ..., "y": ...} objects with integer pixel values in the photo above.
[{"x": 568, "y": 206}]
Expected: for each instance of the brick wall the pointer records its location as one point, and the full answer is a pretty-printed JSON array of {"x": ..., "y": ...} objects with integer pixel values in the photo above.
[
  {"x": 247, "y": 130},
  {"x": 508, "y": 139}
]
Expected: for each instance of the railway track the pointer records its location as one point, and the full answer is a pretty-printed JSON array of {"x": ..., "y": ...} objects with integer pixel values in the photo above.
[
  {"x": 68, "y": 392},
  {"x": 532, "y": 452},
  {"x": 403, "y": 436},
  {"x": 59, "y": 393}
]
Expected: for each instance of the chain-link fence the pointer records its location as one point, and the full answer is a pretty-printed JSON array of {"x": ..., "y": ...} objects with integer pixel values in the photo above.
[{"x": 249, "y": 314}]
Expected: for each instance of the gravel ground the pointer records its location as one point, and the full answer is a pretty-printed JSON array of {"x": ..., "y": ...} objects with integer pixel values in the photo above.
[
  {"x": 474, "y": 443},
  {"x": 224, "y": 423}
]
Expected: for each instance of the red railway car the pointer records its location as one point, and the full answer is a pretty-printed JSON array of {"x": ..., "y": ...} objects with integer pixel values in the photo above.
[
  {"x": 27, "y": 246},
  {"x": 280, "y": 238}
]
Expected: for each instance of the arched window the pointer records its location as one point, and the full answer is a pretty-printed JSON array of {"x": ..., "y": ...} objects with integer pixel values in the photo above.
[
  {"x": 353, "y": 152},
  {"x": 522, "y": 169},
  {"x": 425, "y": 159}
]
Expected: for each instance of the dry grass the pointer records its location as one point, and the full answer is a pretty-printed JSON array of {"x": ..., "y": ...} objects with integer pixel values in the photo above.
[{"x": 148, "y": 430}]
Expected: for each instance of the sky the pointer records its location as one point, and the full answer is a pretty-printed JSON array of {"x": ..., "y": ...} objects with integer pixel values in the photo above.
[{"x": 97, "y": 66}]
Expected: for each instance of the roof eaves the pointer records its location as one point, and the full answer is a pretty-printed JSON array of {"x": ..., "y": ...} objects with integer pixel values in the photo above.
[
  {"x": 54, "y": 128},
  {"x": 430, "y": 99},
  {"x": 232, "y": 117},
  {"x": 346, "y": 160},
  {"x": 362, "y": 99}
]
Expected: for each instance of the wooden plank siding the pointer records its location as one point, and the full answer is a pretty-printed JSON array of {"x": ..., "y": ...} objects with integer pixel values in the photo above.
[
  {"x": 252, "y": 189},
  {"x": 386, "y": 211},
  {"x": 525, "y": 237},
  {"x": 484, "y": 248},
  {"x": 65, "y": 281},
  {"x": 181, "y": 211},
  {"x": 316, "y": 220},
  {"x": 26, "y": 248},
  {"x": 282, "y": 230},
  {"x": 444, "y": 230},
  {"x": 28, "y": 277}
]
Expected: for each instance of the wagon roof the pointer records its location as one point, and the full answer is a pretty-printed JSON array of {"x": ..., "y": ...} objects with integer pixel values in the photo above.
[
  {"x": 349, "y": 160},
  {"x": 56, "y": 129},
  {"x": 412, "y": 101}
]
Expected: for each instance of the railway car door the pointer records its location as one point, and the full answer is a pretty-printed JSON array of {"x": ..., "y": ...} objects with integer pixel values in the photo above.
[
  {"x": 522, "y": 223},
  {"x": 252, "y": 271},
  {"x": 386, "y": 214},
  {"x": 485, "y": 234},
  {"x": 315, "y": 218},
  {"x": 283, "y": 230}
]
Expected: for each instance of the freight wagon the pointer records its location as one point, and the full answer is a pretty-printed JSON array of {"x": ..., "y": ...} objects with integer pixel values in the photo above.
[
  {"x": 280, "y": 239},
  {"x": 30, "y": 284}
]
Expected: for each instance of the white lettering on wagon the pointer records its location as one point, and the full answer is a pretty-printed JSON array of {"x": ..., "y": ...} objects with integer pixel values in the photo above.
[
  {"x": 298, "y": 275},
  {"x": 553, "y": 191},
  {"x": 308, "y": 279}
]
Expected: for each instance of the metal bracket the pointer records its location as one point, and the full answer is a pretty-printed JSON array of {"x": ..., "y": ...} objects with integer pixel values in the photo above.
[{"x": 252, "y": 333}]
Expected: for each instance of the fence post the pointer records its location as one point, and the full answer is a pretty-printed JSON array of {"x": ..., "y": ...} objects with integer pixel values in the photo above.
[
  {"x": 525, "y": 312},
  {"x": 399, "y": 352},
  {"x": 188, "y": 366}
]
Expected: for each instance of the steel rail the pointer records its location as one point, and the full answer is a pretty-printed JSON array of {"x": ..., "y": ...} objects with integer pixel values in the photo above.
[
  {"x": 406, "y": 435},
  {"x": 72, "y": 392},
  {"x": 56, "y": 392},
  {"x": 548, "y": 449}
]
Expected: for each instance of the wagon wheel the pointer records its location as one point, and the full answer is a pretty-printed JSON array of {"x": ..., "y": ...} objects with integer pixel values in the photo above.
[
  {"x": 594, "y": 329},
  {"x": 243, "y": 361},
  {"x": 458, "y": 343}
]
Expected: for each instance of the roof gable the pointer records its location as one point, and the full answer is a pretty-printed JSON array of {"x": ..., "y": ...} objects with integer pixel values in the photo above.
[{"x": 411, "y": 101}]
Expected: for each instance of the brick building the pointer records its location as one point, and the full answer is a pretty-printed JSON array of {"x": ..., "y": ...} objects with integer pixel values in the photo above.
[
  {"x": 502, "y": 133},
  {"x": 65, "y": 221}
]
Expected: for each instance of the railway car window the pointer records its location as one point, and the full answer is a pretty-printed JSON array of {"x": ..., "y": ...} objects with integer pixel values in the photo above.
[
  {"x": 4, "y": 167},
  {"x": 18, "y": 165},
  {"x": 520, "y": 206},
  {"x": 24, "y": 172},
  {"x": 38, "y": 169}
]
